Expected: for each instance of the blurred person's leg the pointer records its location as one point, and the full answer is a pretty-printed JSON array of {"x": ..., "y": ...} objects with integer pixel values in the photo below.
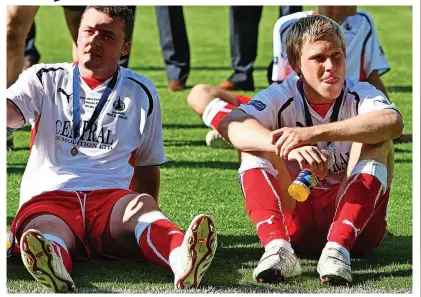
[
  {"x": 124, "y": 60},
  {"x": 19, "y": 22},
  {"x": 244, "y": 29},
  {"x": 73, "y": 14},
  {"x": 174, "y": 44},
  {"x": 32, "y": 55}
]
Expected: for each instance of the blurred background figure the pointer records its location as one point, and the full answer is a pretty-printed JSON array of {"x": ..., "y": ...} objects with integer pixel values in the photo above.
[
  {"x": 32, "y": 55},
  {"x": 174, "y": 45},
  {"x": 244, "y": 29}
]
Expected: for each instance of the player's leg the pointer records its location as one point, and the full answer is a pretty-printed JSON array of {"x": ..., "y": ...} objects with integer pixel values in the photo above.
[
  {"x": 212, "y": 104},
  {"x": 270, "y": 207},
  {"x": 50, "y": 230},
  {"x": 370, "y": 172},
  {"x": 46, "y": 244},
  {"x": 136, "y": 221},
  {"x": 73, "y": 15}
]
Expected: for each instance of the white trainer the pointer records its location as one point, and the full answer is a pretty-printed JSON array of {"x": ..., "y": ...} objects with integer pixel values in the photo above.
[
  {"x": 43, "y": 264},
  {"x": 190, "y": 261},
  {"x": 334, "y": 267},
  {"x": 215, "y": 140},
  {"x": 276, "y": 265}
]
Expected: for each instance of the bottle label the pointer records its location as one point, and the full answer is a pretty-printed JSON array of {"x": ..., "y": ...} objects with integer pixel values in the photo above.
[{"x": 307, "y": 179}]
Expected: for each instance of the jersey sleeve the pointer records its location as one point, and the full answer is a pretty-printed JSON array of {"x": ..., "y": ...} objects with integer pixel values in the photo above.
[
  {"x": 372, "y": 99},
  {"x": 374, "y": 58},
  {"x": 151, "y": 150},
  {"x": 27, "y": 94},
  {"x": 264, "y": 107}
]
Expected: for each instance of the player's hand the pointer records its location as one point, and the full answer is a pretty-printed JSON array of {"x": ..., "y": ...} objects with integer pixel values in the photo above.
[
  {"x": 288, "y": 138},
  {"x": 310, "y": 157}
]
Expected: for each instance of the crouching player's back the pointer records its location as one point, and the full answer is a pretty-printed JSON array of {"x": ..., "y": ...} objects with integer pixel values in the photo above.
[{"x": 284, "y": 129}]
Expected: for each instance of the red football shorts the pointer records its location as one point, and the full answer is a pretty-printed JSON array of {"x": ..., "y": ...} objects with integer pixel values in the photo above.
[
  {"x": 311, "y": 220},
  {"x": 92, "y": 233}
]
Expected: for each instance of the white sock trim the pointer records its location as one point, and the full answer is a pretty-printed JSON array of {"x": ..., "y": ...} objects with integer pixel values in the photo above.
[
  {"x": 374, "y": 168},
  {"x": 211, "y": 110},
  {"x": 254, "y": 162},
  {"x": 145, "y": 220},
  {"x": 279, "y": 243},
  {"x": 56, "y": 240},
  {"x": 337, "y": 246}
]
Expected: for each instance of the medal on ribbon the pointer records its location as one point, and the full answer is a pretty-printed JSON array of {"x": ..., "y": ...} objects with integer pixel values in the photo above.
[{"x": 76, "y": 107}]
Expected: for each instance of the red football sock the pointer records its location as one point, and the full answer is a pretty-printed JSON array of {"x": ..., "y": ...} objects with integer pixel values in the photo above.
[
  {"x": 159, "y": 239},
  {"x": 355, "y": 208},
  {"x": 221, "y": 114},
  {"x": 216, "y": 111},
  {"x": 64, "y": 255},
  {"x": 264, "y": 206}
]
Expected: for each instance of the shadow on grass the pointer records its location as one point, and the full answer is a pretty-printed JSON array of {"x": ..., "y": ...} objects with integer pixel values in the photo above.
[
  {"x": 201, "y": 164},
  {"x": 183, "y": 126},
  {"x": 184, "y": 143}
]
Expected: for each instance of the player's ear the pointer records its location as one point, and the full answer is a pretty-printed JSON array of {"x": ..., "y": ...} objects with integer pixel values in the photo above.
[{"x": 126, "y": 48}]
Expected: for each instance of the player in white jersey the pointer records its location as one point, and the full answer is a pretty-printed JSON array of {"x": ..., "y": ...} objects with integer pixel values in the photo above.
[
  {"x": 365, "y": 62},
  {"x": 91, "y": 119},
  {"x": 284, "y": 129},
  {"x": 365, "y": 59}
]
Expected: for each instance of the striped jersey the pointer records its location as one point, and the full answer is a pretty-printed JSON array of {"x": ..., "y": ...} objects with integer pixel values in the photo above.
[
  {"x": 284, "y": 105},
  {"x": 364, "y": 53},
  {"x": 129, "y": 127}
]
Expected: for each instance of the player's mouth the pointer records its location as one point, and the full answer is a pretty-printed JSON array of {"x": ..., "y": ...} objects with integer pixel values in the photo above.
[{"x": 331, "y": 80}]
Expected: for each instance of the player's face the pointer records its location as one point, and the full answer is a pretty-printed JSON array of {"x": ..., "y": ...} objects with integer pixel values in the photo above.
[
  {"x": 323, "y": 69},
  {"x": 100, "y": 41}
]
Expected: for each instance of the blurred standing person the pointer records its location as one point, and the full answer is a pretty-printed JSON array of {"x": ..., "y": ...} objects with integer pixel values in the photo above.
[
  {"x": 32, "y": 55},
  {"x": 244, "y": 29},
  {"x": 174, "y": 45}
]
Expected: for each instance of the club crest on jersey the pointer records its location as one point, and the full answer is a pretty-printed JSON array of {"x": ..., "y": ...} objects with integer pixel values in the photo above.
[
  {"x": 119, "y": 105},
  {"x": 259, "y": 105}
]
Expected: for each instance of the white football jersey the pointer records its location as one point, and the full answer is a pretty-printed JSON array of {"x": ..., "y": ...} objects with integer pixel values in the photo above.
[
  {"x": 284, "y": 105},
  {"x": 364, "y": 53},
  {"x": 130, "y": 122}
]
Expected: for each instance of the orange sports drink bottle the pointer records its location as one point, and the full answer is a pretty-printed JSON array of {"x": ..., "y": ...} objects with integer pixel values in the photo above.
[{"x": 301, "y": 187}]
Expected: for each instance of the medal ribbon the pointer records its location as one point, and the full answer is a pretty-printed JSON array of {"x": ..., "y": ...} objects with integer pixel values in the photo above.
[{"x": 76, "y": 104}]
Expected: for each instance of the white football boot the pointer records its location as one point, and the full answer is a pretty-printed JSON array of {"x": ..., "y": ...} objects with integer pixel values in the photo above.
[
  {"x": 190, "y": 261},
  {"x": 334, "y": 266},
  {"x": 277, "y": 264},
  {"x": 43, "y": 264},
  {"x": 215, "y": 140}
]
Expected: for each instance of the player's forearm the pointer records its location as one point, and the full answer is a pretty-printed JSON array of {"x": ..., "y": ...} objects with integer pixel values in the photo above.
[
  {"x": 371, "y": 128},
  {"x": 245, "y": 133},
  {"x": 15, "y": 119}
]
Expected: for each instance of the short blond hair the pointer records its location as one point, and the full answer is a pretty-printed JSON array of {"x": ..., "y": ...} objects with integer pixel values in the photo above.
[{"x": 310, "y": 29}]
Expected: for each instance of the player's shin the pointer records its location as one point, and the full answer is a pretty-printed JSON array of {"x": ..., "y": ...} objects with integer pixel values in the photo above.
[
  {"x": 157, "y": 237},
  {"x": 363, "y": 191},
  {"x": 264, "y": 207}
]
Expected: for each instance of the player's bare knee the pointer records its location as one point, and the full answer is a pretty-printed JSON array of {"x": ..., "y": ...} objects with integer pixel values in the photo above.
[
  {"x": 51, "y": 224},
  {"x": 127, "y": 210},
  {"x": 199, "y": 97}
]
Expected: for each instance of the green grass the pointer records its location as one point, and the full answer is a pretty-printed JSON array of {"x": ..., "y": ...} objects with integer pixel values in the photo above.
[{"x": 197, "y": 179}]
